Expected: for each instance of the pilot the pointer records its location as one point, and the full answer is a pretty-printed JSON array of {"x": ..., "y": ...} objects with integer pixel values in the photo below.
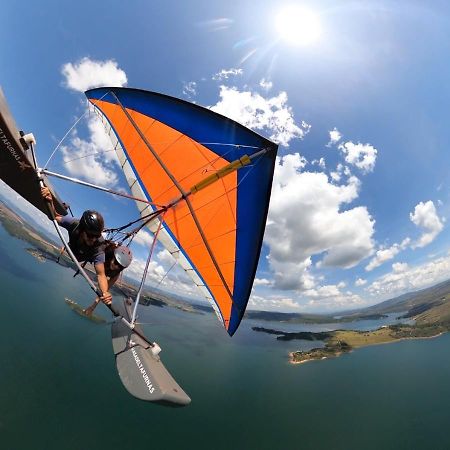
[{"x": 86, "y": 241}]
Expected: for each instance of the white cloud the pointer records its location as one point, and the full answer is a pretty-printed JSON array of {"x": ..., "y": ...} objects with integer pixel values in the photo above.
[
  {"x": 92, "y": 160},
  {"x": 326, "y": 298},
  {"x": 319, "y": 162},
  {"x": 340, "y": 171},
  {"x": 225, "y": 74},
  {"x": 89, "y": 73},
  {"x": 259, "y": 113},
  {"x": 360, "y": 155},
  {"x": 266, "y": 84},
  {"x": 404, "y": 278},
  {"x": 425, "y": 216},
  {"x": 275, "y": 303},
  {"x": 331, "y": 297},
  {"x": 136, "y": 269},
  {"x": 190, "y": 89},
  {"x": 335, "y": 176},
  {"x": 306, "y": 218},
  {"x": 262, "y": 282},
  {"x": 163, "y": 273},
  {"x": 291, "y": 275},
  {"x": 400, "y": 267},
  {"x": 335, "y": 136},
  {"x": 385, "y": 254},
  {"x": 360, "y": 282},
  {"x": 143, "y": 238}
]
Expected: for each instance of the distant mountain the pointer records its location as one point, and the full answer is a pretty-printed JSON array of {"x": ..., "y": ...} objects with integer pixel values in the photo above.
[
  {"x": 426, "y": 305},
  {"x": 425, "y": 297}
]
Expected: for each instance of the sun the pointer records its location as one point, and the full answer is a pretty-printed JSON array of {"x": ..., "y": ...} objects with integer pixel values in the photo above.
[{"x": 298, "y": 25}]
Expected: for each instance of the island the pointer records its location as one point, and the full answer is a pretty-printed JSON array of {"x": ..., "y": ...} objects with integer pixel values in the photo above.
[
  {"x": 37, "y": 254},
  {"x": 339, "y": 342}
]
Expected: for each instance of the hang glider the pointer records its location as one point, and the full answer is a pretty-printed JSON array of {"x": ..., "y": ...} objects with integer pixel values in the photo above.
[
  {"x": 202, "y": 184},
  {"x": 212, "y": 174}
]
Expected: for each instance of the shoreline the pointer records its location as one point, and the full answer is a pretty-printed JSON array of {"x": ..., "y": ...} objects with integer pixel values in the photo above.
[{"x": 338, "y": 354}]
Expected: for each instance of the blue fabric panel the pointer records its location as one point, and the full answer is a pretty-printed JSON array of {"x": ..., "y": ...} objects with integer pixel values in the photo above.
[{"x": 253, "y": 203}]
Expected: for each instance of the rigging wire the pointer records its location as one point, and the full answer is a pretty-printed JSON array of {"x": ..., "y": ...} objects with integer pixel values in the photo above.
[
  {"x": 68, "y": 132},
  {"x": 144, "y": 276},
  {"x": 63, "y": 138},
  {"x": 86, "y": 156}
]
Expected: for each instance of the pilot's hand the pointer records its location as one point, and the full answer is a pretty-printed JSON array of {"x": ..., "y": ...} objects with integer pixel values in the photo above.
[
  {"x": 106, "y": 298},
  {"x": 46, "y": 194}
]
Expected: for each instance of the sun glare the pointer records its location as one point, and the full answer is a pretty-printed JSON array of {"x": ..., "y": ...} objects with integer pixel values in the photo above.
[{"x": 298, "y": 25}]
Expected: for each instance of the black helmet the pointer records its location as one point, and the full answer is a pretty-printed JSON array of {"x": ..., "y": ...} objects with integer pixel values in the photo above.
[{"x": 92, "y": 222}]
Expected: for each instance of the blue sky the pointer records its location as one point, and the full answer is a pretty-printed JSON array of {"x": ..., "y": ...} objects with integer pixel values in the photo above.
[{"x": 361, "y": 190}]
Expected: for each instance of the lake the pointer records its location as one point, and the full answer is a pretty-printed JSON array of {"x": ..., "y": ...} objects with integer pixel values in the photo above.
[{"x": 59, "y": 388}]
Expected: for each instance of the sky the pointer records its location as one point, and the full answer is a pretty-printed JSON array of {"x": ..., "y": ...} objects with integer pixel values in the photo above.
[{"x": 355, "y": 94}]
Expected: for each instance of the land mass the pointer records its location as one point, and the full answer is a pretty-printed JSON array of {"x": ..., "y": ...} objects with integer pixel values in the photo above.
[{"x": 343, "y": 341}]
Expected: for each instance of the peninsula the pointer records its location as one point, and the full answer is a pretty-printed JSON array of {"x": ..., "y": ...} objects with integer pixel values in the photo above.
[{"x": 430, "y": 323}]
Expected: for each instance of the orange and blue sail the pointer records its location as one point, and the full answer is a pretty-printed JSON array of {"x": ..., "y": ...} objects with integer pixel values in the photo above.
[{"x": 213, "y": 175}]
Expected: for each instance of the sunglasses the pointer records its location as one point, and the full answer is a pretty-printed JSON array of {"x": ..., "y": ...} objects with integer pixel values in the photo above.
[{"x": 93, "y": 236}]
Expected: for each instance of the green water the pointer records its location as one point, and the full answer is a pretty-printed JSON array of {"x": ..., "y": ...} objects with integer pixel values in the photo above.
[{"x": 59, "y": 388}]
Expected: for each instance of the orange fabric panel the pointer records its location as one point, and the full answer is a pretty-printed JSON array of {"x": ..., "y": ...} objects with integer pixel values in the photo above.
[{"x": 189, "y": 162}]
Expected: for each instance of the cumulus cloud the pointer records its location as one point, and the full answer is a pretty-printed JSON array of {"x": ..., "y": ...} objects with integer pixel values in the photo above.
[
  {"x": 143, "y": 238},
  {"x": 92, "y": 159},
  {"x": 385, "y": 254},
  {"x": 425, "y": 216},
  {"x": 335, "y": 136},
  {"x": 266, "y": 84},
  {"x": 291, "y": 275},
  {"x": 262, "y": 282},
  {"x": 360, "y": 282},
  {"x": 340, "y": 171},
  {"x": 360, "y": 155},
  {"x": 88, "y": 73},
  {"x": 306, "y": 218},
  {"x": 259, "y": 113},
  {"x": 225, "y": 74},
  {"x": 190, "y": 89},
  {"x": 319, "y": 162},
  {"x": 275, "y": 303},
  {"x": 163, "y": 273},
  {"x": 405, "y": 278},
  {"x": 329, "y": 297}
]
